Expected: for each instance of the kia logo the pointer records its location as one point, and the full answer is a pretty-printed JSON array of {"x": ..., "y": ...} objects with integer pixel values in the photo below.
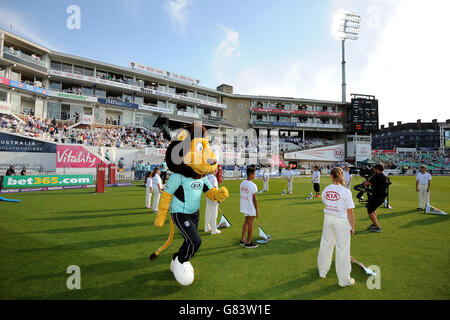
[
  {"x": 332, "y": 196},
  {"x": 244, "y": 189},
  {"x": 196, "y": 185},
  {"x": 338, "y": 153}
]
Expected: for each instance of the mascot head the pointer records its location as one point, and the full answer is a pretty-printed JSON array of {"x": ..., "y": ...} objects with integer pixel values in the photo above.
[{"x": 189, "y": 153}]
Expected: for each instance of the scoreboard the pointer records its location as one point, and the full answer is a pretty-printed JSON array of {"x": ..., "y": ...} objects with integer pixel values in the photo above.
[{"x": 363, "y": 114}]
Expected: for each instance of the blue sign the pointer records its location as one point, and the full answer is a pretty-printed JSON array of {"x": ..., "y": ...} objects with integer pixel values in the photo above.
[
  {"x": 28, "y": 87},
  {"x": 16, "y": 143},
  {"x": 118, "y": 103},
  {"x": 284, "y": 124}
]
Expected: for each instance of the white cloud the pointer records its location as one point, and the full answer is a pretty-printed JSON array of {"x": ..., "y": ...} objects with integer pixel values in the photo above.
[
  {"x": 409, "y": 67},
  {"x": 226, "y": 50},
  {"x": 402, "y": 57},
  {"x": 21, "y": 26},
  {"x": 178, "y": 12}
]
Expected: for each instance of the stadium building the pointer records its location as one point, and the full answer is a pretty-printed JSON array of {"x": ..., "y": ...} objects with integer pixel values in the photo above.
[
  {"x": 423, "y": 136},
  {"x": 75, "y": 91}
]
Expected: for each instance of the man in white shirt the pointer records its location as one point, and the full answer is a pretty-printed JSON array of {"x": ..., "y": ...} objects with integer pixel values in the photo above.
[
  {"x": 316, "y": 181},
  {"x": 289, "y": 178},
  {"x": 249, "y": 207},
  {"x": 423, "y": 182},
  {"x": 212, "y": 207},
  {"x": 266, "y": 175},
  {"x": 348, "y": 178}
]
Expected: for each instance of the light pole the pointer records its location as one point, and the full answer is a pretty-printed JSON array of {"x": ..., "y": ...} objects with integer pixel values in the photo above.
[{"x": 345, "y": 27}]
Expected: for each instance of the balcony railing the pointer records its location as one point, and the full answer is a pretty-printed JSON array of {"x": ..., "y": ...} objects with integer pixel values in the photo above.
[{"x": 25, "y": 57}]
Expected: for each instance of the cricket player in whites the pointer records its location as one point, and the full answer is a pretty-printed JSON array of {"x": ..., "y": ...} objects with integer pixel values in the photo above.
[
  {"x": 338, "y": 227},
  {"x": 348, "y": 178},
  {"x": 212, "y": 207},
  {"x": 266, "y": 175},
  {"x": 289, "y": 178},
  {"x": 423, "y": 182}
]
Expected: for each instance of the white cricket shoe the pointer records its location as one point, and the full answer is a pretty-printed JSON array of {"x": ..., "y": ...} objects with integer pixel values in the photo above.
[
  {"x": 217, "y": 231},
  {"x": 183, "y": 272}
]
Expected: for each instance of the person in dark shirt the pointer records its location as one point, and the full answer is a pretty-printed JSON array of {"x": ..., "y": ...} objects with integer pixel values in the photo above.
[
  {"x": 23, "y": 172},
  {"x": 10, "y": 171},
  {"x": 378, "y": 188}
]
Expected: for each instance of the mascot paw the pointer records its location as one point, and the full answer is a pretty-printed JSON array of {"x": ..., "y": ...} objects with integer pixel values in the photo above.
[
  {"x": 183, "y": 272},
  {"x": 159, "y": 221},
  {"x": 222, "y": 194}
]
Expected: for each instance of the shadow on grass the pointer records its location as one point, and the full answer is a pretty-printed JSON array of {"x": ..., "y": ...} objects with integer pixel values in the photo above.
[
  {"x": 87, "y": 245},
  {"x": 428, "y": 220},
  {"x": 104, "y": 210},
  {"x": 91, "y": 228},
  {"x": 154, "y": 285},
  {"x": 381, "y": 215},
  {"x": 94, "y": 216},
  {"x": 291, "y": 287}
]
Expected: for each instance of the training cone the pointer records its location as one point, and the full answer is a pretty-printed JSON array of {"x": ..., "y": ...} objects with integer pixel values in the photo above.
[
  {"x": 223, "y": 223},
  {"x": 265, "y": 237},
  {"x": 433, "y": 210}
]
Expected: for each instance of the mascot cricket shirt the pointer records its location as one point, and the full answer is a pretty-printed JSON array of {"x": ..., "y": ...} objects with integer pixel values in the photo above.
[{"x": 187, "y": 192}]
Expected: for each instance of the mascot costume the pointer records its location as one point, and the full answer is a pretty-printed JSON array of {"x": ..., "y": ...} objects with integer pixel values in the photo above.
[{"x": 190, "y": 159}]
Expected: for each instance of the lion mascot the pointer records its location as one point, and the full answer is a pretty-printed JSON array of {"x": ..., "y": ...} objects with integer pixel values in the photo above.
[{"x": 190, "y": 159}]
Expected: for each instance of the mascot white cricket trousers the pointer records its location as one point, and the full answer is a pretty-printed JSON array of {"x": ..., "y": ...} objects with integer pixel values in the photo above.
[
  {"x": 211, "y": 215},
  {"x": 156, "y": 196},
  {"x": 148, "y": 197},
  {"x": 336, "y": 232},
  {"x": 424, "y": 196}
]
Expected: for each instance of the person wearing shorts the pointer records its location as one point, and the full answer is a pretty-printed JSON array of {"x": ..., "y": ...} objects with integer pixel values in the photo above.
[{"x": 377, "y": 197}]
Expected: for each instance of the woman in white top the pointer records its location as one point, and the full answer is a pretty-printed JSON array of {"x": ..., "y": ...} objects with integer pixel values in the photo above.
[
  {"x": 212, "y": 207},
  {"x": 148, "y": 190},
  {"x": 338, "y": 227},
  {"x": 157, "y": 188}
]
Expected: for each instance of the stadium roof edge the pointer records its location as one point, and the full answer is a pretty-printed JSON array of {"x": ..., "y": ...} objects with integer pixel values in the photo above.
[{"x": 26, "y": 41}]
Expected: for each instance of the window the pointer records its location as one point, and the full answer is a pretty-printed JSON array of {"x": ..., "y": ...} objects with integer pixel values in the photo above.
[
  {"x": 65, "y": 112},
  {"x": 56, "y": 65},
  {"x": 53, "y": 110},
  {"x": 161, "y": 104},
  {"x": 139, "y": 100},
  {"x": 100, "y": 93},
  {"x": 78, "y": 70},
  {"x": 67, "y": 67},
  {"x": 87, "y": 91},
  {"x": 88, "y": 72},
  {"x": 3, "y": 95},
  {"x": 55, "y": 85}
]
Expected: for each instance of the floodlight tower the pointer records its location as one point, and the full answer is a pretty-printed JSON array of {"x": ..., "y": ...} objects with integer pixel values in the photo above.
[{"x": 345, "y": 27}]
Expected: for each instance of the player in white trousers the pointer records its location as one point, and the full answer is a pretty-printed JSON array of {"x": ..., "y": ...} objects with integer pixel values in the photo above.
[
  {"x": 348, "y": 178},
  {"x": 157, "y": 188},
  {"x": 212, "y": 207},
  {"x": 338, "y": 227},
  {"x": 148, "y": 190},
  {"x": 423, "y": 183},
  {"x": 289, "y": 178},
  {"x": 266, "y": 175}
]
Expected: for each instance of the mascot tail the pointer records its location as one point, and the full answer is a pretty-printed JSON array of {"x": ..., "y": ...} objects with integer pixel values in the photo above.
[{"x": 155, "y": 254}]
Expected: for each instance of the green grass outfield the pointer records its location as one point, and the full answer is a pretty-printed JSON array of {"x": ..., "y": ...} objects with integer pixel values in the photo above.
[{"x": 110, "y": 236}]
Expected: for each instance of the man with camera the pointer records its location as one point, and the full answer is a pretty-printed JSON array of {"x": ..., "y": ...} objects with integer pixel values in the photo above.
[{"x": 378, "y": 184}]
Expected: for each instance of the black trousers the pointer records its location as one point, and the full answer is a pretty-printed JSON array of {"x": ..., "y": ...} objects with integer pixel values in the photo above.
[{"x": 188, "y": 225}]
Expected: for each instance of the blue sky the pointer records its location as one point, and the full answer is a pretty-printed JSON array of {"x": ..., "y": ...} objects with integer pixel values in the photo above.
[{"x": 279, "y": 48}]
